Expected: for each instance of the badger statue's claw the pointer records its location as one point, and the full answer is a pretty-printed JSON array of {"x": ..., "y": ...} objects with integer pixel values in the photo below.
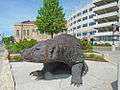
[{"x": 37, "y": 74}]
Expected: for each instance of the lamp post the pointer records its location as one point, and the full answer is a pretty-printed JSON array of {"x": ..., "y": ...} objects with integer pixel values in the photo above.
[{"x": 114, "y": 29}]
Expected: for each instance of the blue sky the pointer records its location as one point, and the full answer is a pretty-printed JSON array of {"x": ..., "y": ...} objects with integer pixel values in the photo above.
[{"x": 12, "y": 11}]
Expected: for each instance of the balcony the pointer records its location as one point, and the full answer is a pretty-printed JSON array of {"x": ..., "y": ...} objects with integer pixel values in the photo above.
[
  {"x": 103, "y": 33},
  {"x": 102, "y": 2},
  {"x": 107, "y": 15},
  {"x": 108, "y": 24},
  {"x": 106, "y": 8}
]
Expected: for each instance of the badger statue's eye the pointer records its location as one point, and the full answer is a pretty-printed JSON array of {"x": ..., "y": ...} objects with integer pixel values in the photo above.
[{"x": 37, "y": 48}]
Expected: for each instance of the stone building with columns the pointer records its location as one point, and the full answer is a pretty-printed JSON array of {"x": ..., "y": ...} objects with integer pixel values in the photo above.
[{"x": 28, "y": 30}]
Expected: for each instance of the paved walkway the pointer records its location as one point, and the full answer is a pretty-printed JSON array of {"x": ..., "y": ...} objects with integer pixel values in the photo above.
[
  {"x": 2, "y": 51},
  {"x": 6, "y": 79},
  {"x": 113, "y": 56},
  {"x": 1, "y": 54},
  {"x": 101, "y": 76}
]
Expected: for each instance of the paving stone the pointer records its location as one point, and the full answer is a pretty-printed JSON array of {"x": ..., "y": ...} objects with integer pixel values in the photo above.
[{"x": 101, "y": 75}]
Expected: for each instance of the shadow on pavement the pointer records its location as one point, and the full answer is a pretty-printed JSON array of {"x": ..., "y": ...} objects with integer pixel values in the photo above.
[{"x": 114, "y": 85}]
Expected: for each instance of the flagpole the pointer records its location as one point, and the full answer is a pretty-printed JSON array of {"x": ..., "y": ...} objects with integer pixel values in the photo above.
[{"x": 113, "y": 43}]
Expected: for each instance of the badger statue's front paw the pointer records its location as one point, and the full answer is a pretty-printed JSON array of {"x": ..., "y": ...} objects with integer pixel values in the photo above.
[
  {"x": 37, "y": 75},
  {"x": 48, "y": 76},
  {"x": 76, "y": 81},
  {"x": 77, "y": 74}
]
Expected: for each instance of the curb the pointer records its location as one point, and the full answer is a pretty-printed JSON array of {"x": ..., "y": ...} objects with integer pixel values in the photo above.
[
  {"x": 107, "y": 58},
  {"x": 6, "y": 77}
]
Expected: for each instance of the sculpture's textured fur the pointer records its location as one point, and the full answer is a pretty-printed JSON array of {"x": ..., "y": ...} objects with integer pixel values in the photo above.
[{"x": 63, "y": 48}]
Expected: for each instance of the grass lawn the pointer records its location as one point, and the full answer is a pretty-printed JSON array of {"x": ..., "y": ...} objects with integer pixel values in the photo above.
[
  {"x": 93, "y": 56},
  {"x": 102, "y": 46}
]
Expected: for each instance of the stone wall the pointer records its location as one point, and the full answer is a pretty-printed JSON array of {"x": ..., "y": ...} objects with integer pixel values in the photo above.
[{"x": 6, "y": 78}]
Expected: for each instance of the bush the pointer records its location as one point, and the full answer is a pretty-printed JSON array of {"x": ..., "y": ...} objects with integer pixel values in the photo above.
[
  {"x": 17, "y": 58},
  {"x": 103, "y": 44},
  {"x": 19, "y": 46},
  {"x": 86, "y": 45},
  {"x": 108, "y": 44}
]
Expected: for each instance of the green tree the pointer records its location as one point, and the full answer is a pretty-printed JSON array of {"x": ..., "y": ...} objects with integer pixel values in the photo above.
[{"x": 51, "y": 17}]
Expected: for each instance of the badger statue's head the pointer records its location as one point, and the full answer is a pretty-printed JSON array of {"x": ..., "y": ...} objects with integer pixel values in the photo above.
[
  {"x": 40, "y": 52},
  {"x": 34, "y": 54}
]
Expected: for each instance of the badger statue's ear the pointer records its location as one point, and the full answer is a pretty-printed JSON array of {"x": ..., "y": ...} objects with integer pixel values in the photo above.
[{"x": 54, "y": 52}]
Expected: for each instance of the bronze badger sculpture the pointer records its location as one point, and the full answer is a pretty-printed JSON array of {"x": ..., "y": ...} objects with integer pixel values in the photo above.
[{"x": 62, "y": 51}]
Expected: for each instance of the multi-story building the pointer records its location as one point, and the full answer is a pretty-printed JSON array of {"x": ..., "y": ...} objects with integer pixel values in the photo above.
[
  {"x": 81, "y": 23},
  {"x": 107, "y": 15},
  {"x": 28, "y": 30}
]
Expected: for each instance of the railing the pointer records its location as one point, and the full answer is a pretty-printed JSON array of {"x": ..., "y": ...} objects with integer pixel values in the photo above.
[
  {"x": 105, "y": 24},
  {"x": 106, "y": 6},
  {"x": 115, "y": 13},
  {"x": 98, "y": 48}
]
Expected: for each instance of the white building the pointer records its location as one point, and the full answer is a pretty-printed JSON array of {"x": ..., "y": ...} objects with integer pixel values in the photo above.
[
  {"x": 96, "y": 20},
  {"x": 81, "y": 23},
  {"x": 106, "y": 15}
]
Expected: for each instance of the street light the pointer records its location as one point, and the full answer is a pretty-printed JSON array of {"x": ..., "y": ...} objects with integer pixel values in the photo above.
[{"x": 114, "y": 29}]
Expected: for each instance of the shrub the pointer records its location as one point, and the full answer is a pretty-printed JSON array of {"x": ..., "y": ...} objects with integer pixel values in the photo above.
[
  {"x": 17, "y": 58},
  {"x": 86, "y": 45},
  {"x": 103, "y": 44},
  {"x": 108, "y": 44},
  {"x": 19, "y": 46}
]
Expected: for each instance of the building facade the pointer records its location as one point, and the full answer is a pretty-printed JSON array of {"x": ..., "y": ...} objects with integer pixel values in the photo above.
[
  {"x": 81, "y": 23},
  {"x": 97, "y": 20},
  {"x": 28, "y": 30},
  {"x": 107, "y": 15}
]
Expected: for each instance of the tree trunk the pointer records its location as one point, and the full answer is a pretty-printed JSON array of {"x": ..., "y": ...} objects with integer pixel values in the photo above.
[
  {"x": 8, "y": 55},
  {"x": 52, "y": 35}
]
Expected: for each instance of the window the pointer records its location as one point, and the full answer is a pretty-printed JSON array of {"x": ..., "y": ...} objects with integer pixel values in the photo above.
[
  {"x": 71, "y": 24},
  {"x": 33, "y": 30},
  {"x": 92, "y": 15},
  {"x": 92, "y": 32},
  {"x": 74, "y": 16},
  {"x": 90, "y": 9},
  {"x": 92, "y": 23},
  {"x": 74, "y": 22},
  {"x": 85, "y": 33},
  {"x": 78, "y": 34},
  {"x": 24, "y": 32},
  {"x": 85, "y": 11},
  {"x": 17, "y": 33},
  {"x": 79, "y": 14},
  {"x": 78, "y": 20},
  {"x": 78, "y": 26},
  {"x": 84, "y": 18},
  {"x": 74, "y": 28},
  {"x": 28, "y": 33},
  {"x": 85, "y": 25}
]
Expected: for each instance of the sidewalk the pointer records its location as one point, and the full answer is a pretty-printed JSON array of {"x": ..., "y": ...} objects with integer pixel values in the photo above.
[
  {"x": 101, "y": 76},
  {"x": 112, "y": 56},
  {"x": 6, "y": 78}
]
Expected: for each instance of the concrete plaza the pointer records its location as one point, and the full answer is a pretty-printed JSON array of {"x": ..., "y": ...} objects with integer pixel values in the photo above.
[{"x": 101, "y": 76}]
